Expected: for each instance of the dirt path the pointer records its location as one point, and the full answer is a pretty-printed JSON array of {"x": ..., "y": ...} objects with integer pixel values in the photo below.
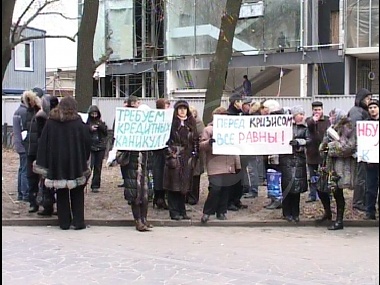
[{"x": 109, "y": 203}]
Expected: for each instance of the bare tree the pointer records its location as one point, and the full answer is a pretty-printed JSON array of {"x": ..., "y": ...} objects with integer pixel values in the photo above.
[
  {"x": 13, "y": 32},
  {"x": 86, "y": 66},
  {"x": 222, "y": 56}
]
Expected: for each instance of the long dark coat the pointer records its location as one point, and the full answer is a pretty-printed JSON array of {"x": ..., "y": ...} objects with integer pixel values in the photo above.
[
  {"x": 63, "y": 151},
  {"x": 293, "y": 166},
  {"x": 181, "y": 155}
]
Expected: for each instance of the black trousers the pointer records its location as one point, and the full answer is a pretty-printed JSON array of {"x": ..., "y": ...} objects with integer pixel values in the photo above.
[
  {"x": 360, "y": 184},
  {"x": 192, "y": 196},
  {"x": 70, "y": 207},
  {"x": 340, "y": 203},
  {"x": 218, "y": 193},
  {"x": 33, "y": 180},
  {"x": 176, "y": 203},
  {"x": 96, "y": 167},
  {"x": 236, "y": 192},
  {"x": 291, "y": 205}
]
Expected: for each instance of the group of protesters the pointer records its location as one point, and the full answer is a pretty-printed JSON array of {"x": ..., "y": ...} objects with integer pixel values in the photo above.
[{"x": 59, "y": 152}]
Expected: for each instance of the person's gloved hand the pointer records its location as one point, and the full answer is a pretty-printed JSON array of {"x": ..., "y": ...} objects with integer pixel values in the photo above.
[
  {"x": 211, "y": 141},
  {"x": 294, "y": 143}
]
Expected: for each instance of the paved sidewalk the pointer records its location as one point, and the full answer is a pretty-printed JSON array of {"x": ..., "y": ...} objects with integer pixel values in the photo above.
[{"x": 198, "y": 255}]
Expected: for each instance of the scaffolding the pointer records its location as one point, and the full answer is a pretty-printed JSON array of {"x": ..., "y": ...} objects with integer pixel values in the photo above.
[{"x": 148, "y": 46}]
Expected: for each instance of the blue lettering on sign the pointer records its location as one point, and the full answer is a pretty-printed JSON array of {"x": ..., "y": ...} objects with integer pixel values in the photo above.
[
  {"x": 364, "y": 155},
  {"x": 226, "y": 139}
]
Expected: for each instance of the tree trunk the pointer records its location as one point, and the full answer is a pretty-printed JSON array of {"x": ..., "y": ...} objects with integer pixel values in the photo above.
[
  {"x": 85, "y": 55},
  {"x": 6, "y": 45},
  {"x": 222, "y": 56}
]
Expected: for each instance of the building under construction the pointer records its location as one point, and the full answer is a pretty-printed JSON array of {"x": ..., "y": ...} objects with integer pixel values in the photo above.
[{"x": 285, "y": 47}]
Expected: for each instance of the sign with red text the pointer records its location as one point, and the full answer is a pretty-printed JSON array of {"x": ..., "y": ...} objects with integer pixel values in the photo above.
[
  {"x": 252, "y": 135},
  {"x": 137, "y": 129},
  {"x": 368, "y": 141}
]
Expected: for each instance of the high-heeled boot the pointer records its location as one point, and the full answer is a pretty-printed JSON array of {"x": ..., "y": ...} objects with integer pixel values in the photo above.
[
  {"x": 144, "y": 215},
  {"x": 136, "y": 211}
]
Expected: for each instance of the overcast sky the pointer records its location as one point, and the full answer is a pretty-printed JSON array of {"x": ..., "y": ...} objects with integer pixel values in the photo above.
[{"x": 60, "y": 53}]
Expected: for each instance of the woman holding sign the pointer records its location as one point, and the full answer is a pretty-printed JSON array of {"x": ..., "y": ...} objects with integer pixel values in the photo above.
[
  {"x": 293, "y": 167},
  {"x": 340, "y": 144},
  {"x": 181, "y": 156}
]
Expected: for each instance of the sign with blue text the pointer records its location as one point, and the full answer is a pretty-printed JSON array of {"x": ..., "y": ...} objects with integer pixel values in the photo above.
[
  {"x": 137, "y": 129},
  {"x": 252, "y": 135},
  {"x": 368, "y": 141}
]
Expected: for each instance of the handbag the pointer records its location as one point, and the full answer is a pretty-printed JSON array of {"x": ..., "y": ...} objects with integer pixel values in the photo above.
[{"x": 122, "y": 157}]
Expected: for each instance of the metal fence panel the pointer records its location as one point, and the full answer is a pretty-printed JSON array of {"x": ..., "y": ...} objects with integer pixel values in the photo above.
[{"x": 108, "y": 105}]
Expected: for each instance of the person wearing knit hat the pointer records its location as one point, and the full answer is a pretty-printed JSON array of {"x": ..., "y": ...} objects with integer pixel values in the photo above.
[
  {"x": 272, "y": 107},
  {"x": 39, "y": 92},
  {"x": 373, "y": 102},
  {"x": 181, "y": 103},
  {"x": 181, "y": 157},
  {"x": 295, "y": 110}
]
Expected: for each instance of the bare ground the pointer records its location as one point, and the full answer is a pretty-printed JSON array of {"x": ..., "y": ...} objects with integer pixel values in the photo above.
[{"x": 109, "y": 203}]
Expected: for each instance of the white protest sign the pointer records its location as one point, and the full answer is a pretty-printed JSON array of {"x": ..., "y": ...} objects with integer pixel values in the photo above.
[
  {"x": 252, "y": 135},
  {"x": 368, "y": 141},
  {"x": 84, "y": 117},
  {"x": 138, "y": 129}
]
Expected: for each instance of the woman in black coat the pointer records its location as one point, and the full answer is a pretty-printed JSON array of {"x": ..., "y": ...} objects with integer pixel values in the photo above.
[
  {"x": 63, "y": 152},
  {"x": 181, "y": 156},
  {"x": 293, "y": 168}
]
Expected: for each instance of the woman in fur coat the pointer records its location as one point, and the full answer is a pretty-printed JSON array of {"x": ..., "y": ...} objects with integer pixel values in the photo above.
[
  {"x": 63, "y": 152},
  {"x": 181, "y": 156},
  {"x": 340, "y": 162}
]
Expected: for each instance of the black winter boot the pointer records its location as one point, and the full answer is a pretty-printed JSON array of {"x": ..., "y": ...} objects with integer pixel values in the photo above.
[{"x": 340, "y": 205}]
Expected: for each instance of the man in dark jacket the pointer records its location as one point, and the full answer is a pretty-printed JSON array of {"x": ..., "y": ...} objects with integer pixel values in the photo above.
[
  {"x": 359, "y": 112},
  {"x": 98, "y": 131},
  {"x": 234, "y": 202},
  {"x": 372, "y": 170},
  {"x": 19, "y": 128},
  {"x": 317, "y": 125}
]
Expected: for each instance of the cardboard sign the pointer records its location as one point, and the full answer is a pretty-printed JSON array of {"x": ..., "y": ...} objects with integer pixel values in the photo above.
[
  {"x": 138, "y": 129},
  {"x": 368, "y": 141},
  {"x": 252, "y": 135}
]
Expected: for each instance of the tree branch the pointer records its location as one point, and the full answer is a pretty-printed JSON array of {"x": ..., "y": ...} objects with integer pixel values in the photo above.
[
  {"x": 103, "y": 58},
  {"x": 40, "y": 37},
  {"x": 26, "y": 24},
  {"x": 59, "y": 14},
  {"x": 15, "y": 28}
]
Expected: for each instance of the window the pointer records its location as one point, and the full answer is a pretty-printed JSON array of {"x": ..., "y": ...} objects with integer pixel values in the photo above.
[{"x": 24, "y": 56}]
